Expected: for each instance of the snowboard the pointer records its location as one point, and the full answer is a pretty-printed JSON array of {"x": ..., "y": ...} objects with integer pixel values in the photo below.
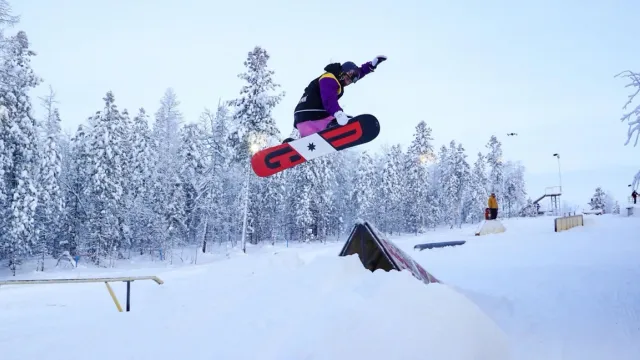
[{"x": 359, "y": 130}]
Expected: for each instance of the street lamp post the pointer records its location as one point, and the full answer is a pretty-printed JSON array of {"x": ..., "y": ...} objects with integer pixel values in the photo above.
[{"x": 559, "y": 172}]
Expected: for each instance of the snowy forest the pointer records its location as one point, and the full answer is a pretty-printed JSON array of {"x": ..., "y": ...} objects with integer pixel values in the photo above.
[{"x": 133, "y": 182}]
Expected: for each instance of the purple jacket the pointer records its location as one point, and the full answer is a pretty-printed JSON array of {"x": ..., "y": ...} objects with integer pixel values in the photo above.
[{"x": 329, "y": 88}]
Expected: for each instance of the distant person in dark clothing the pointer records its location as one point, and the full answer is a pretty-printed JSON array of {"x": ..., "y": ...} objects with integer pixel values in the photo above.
[
  {"x": 634, "y": 195},
  {"x": 493, "y": 206}
]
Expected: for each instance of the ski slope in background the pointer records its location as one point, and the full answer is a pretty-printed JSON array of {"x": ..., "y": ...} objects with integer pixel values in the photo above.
[{"x": 528, "y": 293}]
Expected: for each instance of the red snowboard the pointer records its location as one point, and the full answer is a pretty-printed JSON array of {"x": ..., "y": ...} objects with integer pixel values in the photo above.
[{"x": 359, "y": 130}]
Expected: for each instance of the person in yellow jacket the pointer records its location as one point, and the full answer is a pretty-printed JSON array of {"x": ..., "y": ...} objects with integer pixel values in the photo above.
[{"x": 493, "y": 206}]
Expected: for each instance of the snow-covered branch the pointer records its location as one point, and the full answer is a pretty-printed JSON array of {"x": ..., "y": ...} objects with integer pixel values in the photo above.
[
  {"x": 633, "y": 116},
  {"x": 636, "y": 181}
]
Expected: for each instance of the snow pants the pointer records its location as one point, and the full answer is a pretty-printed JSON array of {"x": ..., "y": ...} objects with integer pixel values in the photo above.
[{"x": 309, "y": 127}]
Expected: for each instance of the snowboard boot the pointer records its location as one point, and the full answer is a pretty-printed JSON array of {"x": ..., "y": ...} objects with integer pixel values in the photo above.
[{"x": 287, "y": 140}]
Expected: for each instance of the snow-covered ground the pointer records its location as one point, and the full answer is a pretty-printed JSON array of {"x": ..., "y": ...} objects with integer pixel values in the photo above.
[{"x": 529, "y": 291}]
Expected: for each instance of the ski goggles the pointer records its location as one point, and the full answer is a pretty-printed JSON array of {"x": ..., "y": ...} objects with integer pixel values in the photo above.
[{"x": 352, "y": 75}]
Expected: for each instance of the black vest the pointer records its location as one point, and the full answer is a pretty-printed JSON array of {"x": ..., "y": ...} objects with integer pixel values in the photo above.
[{"x": 310, "y": 106}]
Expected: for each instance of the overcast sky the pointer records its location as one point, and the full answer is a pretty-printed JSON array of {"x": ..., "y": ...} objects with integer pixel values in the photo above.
[{"x": 543, "y": 69}]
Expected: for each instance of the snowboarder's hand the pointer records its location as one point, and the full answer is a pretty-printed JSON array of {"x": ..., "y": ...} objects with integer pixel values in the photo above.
[
  {"x": 377, "y": 60},
  {"x": 341, "y": 117}
]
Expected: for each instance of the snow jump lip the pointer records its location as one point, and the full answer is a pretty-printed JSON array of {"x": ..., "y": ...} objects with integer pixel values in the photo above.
[{"x": 377, "y": 252}]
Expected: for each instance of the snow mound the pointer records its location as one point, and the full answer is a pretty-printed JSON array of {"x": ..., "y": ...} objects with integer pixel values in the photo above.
[
  {"x": 490, "y": 227},
  {"x": 381, "y": 315},
  {"x": 273, "y": 307}
]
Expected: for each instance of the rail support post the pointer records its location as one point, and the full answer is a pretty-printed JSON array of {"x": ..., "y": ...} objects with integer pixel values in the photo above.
[
  {"x": 128, "y": 295},
  {"x": 113, "y": 296}
]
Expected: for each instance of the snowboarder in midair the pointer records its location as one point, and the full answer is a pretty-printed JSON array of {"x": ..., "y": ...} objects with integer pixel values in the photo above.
[{"x": 318, "y": 107}]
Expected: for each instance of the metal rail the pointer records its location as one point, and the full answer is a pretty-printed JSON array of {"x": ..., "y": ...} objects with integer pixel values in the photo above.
[{"x": 106, "y": 281}]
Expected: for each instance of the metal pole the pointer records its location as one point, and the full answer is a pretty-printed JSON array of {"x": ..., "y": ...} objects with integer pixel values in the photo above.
[
  {"x": 559, "y": 174},
  {"x": 128, "y": 295}
]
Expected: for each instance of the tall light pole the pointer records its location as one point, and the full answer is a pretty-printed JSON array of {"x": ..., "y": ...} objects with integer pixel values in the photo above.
[{"x": 559, "y": 173}]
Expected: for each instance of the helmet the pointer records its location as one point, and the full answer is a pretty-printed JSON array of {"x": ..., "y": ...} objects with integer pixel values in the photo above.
[{"x": 350, "y": 70}]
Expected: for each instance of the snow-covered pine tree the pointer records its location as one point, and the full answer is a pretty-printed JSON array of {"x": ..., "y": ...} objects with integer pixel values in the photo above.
[
  {"x": 168, "y": 199},
  {"x": 254, "y": 126},
  {"x": 141, "y": 181},
  {"x": 455, "y": 175},
  {"x": 433, "y": 213},
  {"x": 609, "y": 202},
  {"x": 6, "y": 20},
  {"x": 616, "y": 208},
  {"x": 106, "y": 184},
  {"x": 441, "y": 197},
  {"x": 530, "y": 209},
  {"x": 6, "y": 162},
  {"x": 50, "y": 199},
  {"x": 463, "y": 169},
  {"x": 419, "y": 155},
  {"x": 192, "y": 177},
  {"x": 513, "y": 199},
  {"x": 391, "y": 190},
  {"x": 300, "y": 190},
  {"x": 478, "y": 190},
  {"x": 64, "y": 147},
  {"x": 297, "y": 218},
  {"x": 343, "y": 166},
  {"x": 378, "y": 164},
  {"x": 323, "y": 186},
  {"x": 363, "y": 192},
  {"x": 20, "y": 144},
  {"x": 598, "y": 200},
  {"x": 223, "y": 182},
  {"x": 269, "y": 217},
  {"x": 166, "y": 129},
  {"x": 51, "y": 122},
  {"x": 76, "y": 179},
  {"x": 126, "y": 218},
  {"x": 496, "y": 167}
]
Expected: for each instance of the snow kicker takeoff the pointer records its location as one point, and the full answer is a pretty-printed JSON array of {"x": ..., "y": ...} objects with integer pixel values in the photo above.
[{"x": 358, "y": 130}]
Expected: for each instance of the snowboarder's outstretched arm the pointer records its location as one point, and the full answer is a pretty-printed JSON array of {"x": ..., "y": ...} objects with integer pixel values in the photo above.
[
  {"x": 330, "y": 86},
  {"x": 370, "y": 66}
]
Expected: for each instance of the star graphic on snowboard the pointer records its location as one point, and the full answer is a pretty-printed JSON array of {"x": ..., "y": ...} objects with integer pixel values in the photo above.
[{"x": 311, "y": 146}]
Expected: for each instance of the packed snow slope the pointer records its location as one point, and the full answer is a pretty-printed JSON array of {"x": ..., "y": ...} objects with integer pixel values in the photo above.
[
  {"x": 528, "y": 293},
  {"x": 267, "y": 307},
  {"x": 568, "y": 295}
]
